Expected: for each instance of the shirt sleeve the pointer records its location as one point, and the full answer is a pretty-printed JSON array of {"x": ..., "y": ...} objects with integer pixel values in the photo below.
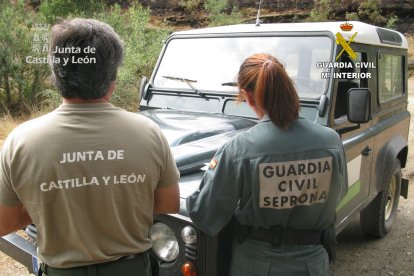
[
  {"x": 170, "y": 174},
  {"x": 212, "y": 206},
  {"x": 8, "y": 195}
]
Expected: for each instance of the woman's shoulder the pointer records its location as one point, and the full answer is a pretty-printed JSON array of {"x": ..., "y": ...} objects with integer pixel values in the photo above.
[{"x": 315, "y": 129}]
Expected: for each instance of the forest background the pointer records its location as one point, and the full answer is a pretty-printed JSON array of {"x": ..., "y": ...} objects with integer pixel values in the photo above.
[{"x": 27, "y": 91}]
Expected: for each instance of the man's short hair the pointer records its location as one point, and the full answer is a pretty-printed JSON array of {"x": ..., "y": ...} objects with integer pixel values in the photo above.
[{"x": 92, "y": 51}]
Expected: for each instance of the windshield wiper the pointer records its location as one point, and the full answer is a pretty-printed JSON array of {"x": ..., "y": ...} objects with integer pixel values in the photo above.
[
  {"x": 188, "y": 82},
  {"x": 229, "y": 83}
]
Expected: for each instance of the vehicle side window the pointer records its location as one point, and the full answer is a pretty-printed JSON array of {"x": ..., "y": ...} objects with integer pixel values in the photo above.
[
  {"x": 345, "y": 84},
  {"x": 390, "y": 77}
]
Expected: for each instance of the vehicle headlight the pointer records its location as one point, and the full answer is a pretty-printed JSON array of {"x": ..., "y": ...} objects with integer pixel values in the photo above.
[
  {"x": 189, "y": 235},
  {"x": 164, "y": 243}
]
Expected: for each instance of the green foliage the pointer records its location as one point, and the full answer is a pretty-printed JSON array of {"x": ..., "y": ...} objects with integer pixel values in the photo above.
[
  {"x": 368, "y": 10},
  {"x": 371, "y": 11},
  {"x": 25, "y": 87},
  {"x": 391, "y": 22},
  {"x": 20, "y": 81},
  {"x": 217, "y": 15},
  {"x": 52, "y": 9},
  {"x": 352, "y": 16},
  {"x": 321, "y": 11},
  {"x": 215, "y": 6},
  {"x": 51, "y": 99},
  {"x": 191, "y": 9},
  {"x": 142, "y": 45},
  {"x": 189, "y": 5}
]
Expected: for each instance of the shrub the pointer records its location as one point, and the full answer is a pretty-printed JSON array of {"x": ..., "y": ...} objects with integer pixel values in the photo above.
[
  {"x": 322, "y": 11},
  {"x": 218, "y": 17},
  {"x": 371, "y": 11},
  {"x": 52, "y": 9},
  {"x": 351, "y": 16},
  {"x": 142, "y": 45},
  {"x": 189, "y": 5},
  {"x": 23, "y": 85},
  {"x": 391, "y": 22},
  {"x": 214, "y": 7},
  {"x": 19, "y": 40}
]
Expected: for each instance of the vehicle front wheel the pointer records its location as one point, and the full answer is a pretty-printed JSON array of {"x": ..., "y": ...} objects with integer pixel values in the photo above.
[{"x": 377, "y": 218}]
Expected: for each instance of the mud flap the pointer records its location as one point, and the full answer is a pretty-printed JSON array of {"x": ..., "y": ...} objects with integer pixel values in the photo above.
[{"x": 404, "y": 187}]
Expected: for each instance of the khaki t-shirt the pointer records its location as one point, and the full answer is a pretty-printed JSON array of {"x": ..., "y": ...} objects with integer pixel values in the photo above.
[{"x": 86, "y": 173}]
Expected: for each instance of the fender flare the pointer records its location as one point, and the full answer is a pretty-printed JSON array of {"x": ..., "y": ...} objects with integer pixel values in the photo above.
[{"x": 397, "y": 147}]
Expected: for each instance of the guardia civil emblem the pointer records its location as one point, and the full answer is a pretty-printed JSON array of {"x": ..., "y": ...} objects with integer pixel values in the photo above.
[{"x": 346, "y": 27}]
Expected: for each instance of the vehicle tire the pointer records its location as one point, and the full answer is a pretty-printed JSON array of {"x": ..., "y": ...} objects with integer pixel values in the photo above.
[{"x": 377, "y": 218}]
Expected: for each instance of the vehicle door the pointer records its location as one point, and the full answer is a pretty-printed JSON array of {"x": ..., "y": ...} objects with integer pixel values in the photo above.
[{"x": 358, "y": 140}]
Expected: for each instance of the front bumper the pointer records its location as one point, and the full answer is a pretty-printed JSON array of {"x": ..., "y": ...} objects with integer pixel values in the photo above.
[{"x": 21, "y": 250}]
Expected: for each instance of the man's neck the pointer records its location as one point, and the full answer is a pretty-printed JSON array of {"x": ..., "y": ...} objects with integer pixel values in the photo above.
[{"x": 83, "y": 101}]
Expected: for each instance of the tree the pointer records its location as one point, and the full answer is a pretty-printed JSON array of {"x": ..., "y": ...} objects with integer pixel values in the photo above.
[{"x": 21, "y": 81}]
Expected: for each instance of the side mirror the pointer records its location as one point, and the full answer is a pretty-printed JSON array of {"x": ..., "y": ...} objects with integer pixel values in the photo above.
[
  {"x": 143, "y": 88},
  {"x": 359, "y": 105}
]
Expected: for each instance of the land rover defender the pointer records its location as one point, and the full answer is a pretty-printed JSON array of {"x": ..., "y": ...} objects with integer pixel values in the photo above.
[{"x": 350, "y": 76}]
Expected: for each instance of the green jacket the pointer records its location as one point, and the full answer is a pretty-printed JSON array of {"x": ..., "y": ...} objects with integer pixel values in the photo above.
[{"x": 267, "y": 176}]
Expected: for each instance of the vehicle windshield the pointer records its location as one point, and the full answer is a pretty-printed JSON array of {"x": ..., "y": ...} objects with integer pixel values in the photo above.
[{"x": 212, "y": 63}]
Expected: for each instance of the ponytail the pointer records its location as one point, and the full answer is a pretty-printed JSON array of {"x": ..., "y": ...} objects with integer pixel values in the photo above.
[{"x": 274, "y": 91}]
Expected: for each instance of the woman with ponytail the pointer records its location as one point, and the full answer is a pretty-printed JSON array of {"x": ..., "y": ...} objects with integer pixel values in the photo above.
[{"x": 281, "y": 181}]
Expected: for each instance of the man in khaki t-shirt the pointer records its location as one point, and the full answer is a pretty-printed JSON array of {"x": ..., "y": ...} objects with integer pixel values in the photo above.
[{"x": 88, "y": 175}]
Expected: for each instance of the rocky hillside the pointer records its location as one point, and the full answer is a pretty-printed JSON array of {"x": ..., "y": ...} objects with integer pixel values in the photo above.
[{"x": 173, "y": 11}]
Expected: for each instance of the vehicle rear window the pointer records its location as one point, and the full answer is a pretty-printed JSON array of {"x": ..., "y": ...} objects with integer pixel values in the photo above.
[{"x": 390, "y": 77}]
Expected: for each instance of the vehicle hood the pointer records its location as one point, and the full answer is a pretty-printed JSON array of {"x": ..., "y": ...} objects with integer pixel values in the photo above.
[{"x": 195, "y": 137}]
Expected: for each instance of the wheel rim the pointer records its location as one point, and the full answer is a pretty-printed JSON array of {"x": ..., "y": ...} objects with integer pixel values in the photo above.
[{"x": 390, "y": 198}]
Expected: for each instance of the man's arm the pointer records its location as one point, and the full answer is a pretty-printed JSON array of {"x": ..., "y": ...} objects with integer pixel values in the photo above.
[
  {"x": 13, "y": 219},
  {"x": 167, "y": 200}
]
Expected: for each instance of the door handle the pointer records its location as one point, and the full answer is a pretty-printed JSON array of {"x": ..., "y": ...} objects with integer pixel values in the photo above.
[{"x": 366, "y": 151}]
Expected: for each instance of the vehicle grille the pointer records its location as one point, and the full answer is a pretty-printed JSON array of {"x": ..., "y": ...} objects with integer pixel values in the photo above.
[{"x": 191, "y": 252}]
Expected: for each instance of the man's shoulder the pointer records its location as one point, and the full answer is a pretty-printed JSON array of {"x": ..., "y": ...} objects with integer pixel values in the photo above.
[
  {"x": 136, "y": 119},
  {"x": 33, "y": 125},
  {"x": 28, "y": 131}
]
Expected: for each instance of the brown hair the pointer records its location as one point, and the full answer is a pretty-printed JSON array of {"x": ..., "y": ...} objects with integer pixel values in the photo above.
[
  {"x": 85, "y": 80},
  {"x": 274, "y": 91}
]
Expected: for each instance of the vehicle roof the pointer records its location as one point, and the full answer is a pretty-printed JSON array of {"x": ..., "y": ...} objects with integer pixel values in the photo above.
[{"x": 367, "y": 34}]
